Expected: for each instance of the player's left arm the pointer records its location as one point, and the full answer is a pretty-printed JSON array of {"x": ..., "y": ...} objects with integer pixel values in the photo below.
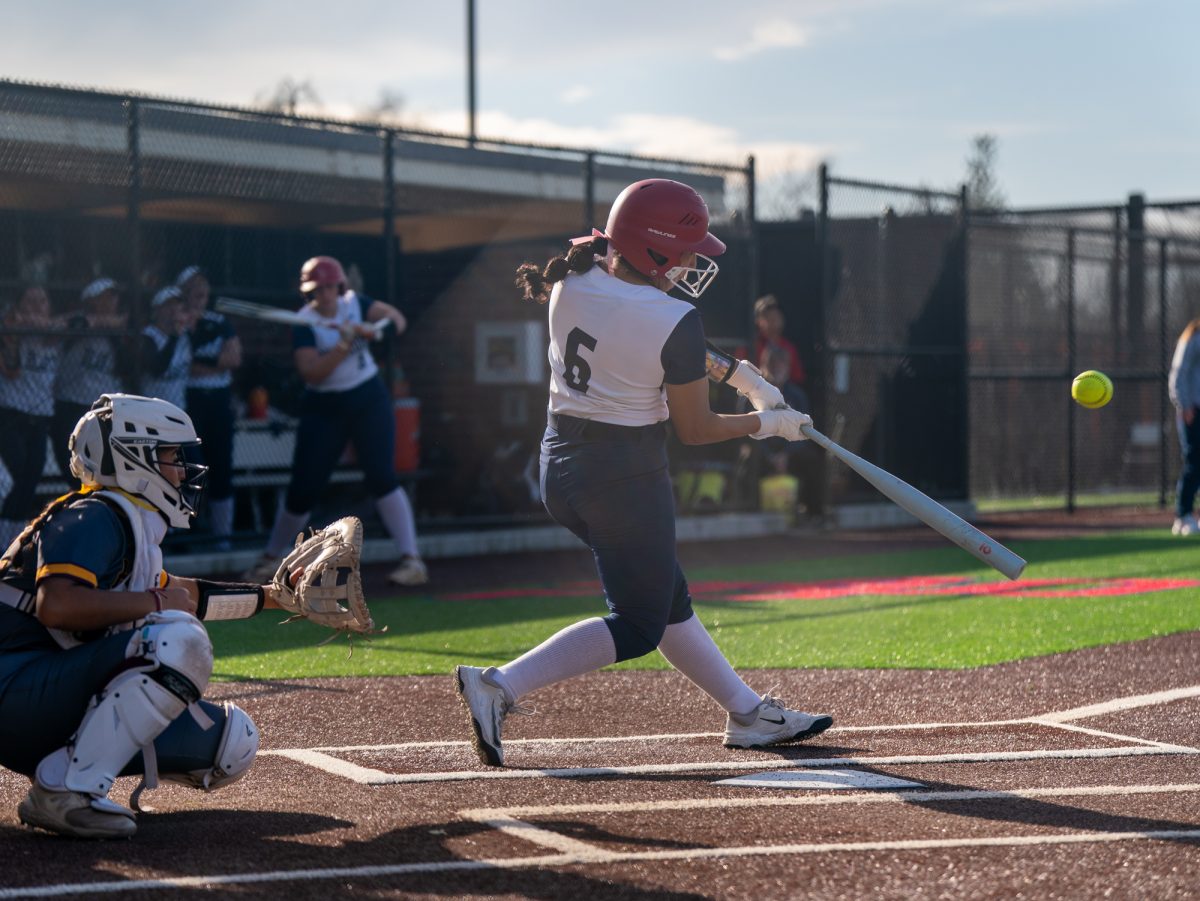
[
  {"x": 226, "y": 600},
  {"x": 380, "y": 310}
]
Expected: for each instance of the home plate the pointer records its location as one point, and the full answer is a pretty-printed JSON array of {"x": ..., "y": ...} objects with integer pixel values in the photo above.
[{"x": 825, "y": 779}]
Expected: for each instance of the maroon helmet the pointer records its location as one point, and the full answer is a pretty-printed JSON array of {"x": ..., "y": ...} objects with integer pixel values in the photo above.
[
  {"x": 654, "y": 222},
  {"x": 321, "y": 271}
]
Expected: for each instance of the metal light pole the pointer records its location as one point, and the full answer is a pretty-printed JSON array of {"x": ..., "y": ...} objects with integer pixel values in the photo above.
[{"x": 471, "y": 72}]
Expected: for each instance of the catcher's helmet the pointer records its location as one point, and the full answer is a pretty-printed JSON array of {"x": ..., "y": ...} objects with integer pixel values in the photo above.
[
  {"x": 115, "y": 445},
  {"x": 321, "y": 271},
  {"x": 654, "y": 222}
]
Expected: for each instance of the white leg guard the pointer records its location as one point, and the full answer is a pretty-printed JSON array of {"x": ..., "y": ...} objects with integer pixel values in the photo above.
[
  {"x": 136, "y": 706},
  {"x": 235, "y": 753}
]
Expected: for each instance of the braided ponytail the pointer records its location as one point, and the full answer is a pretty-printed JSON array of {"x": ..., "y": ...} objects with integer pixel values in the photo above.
[
  {"x": 536, "y": 283},
  {"x": 34, "y": 524}
]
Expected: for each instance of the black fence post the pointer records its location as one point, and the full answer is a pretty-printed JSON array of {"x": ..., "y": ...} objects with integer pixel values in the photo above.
[
  {"x": 964, "y": 276},
  {"x": 137, "y": 315},
  {"x": 752, "y": 250},
  {"x": 1136, "y": 269},
  {"x": 589, "y": 191},
  {"x": 821, "y": 345},
  {"x": 1164, "y": 355},
  {"x": 1071, "y": 349},
  {"x": 389, "y": 246}
]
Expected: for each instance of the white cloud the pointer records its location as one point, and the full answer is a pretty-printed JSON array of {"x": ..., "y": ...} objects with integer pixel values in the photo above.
[
  {"x": 765, "y": 36},
  {"x": 670, "y": 137},
  {"x": 577, "y": 93}
]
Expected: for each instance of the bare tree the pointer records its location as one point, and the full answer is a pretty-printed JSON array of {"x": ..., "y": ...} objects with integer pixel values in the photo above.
[
  {"x": 790, "y": 193},
  {"x": 388, "y": 108},
  {"x": 983, "y": 189},
  {"x": 288, "y": 95}
]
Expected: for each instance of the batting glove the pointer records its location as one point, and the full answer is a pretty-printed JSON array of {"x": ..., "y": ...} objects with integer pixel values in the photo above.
[{"x": 782, "y": 423}]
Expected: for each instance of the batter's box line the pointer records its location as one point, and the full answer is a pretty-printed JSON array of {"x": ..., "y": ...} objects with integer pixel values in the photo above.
[
  {"x": 513, "y": 821},
  {"x": 368, "y": 776},
  {"x": 174, "y": 884}
]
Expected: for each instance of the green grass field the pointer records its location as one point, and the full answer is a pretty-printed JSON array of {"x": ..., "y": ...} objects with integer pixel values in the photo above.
[{"x": 934, "y": 631}]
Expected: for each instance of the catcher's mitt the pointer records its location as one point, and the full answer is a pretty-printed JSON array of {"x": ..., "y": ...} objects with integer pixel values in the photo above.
[{"x": 329, "y": 590}]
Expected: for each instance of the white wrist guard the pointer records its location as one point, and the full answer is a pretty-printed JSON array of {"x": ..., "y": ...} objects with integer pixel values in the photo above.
[{"x": 745, "y": 379}]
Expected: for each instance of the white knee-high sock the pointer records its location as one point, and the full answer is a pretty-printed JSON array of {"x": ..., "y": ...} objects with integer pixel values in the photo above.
[
  {"x": 397, "y": 515},
  {"x": 287, "y": 526},
  {"x": 577, "y": 649},
  {"x": 690, "y": 649}
]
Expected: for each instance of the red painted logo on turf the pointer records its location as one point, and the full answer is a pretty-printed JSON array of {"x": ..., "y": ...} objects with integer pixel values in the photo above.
[{"x": 845, "y": 588}]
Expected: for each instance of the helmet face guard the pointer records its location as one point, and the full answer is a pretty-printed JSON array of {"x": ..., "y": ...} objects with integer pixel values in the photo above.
[
  {"x": 143, "y": 454},
  {"x": 693, "y": 280}
]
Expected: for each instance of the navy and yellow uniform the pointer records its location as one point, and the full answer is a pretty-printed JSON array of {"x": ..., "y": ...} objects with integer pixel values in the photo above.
[{"x": 48, "y": 678}]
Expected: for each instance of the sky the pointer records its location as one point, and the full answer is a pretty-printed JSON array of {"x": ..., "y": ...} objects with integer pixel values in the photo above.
[{"x": 1089, "y": 100}]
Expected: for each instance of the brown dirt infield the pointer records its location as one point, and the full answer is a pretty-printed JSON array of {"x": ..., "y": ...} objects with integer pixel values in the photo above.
[{"x": 1099, "y": 802}]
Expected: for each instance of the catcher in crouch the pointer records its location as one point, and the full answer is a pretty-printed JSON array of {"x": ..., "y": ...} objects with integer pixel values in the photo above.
[{"x": 104, "y": 658}]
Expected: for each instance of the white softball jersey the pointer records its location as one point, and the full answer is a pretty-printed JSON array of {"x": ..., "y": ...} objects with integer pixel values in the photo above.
[
  {"x": 171, "y": 383},
  {"x": 32, "y": 390},
  {"x": 359, "y": 365},
  {"x": 606, "y": 342}
]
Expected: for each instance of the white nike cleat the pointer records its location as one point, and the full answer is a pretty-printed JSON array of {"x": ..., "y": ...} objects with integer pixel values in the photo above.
[
  {"x": 1185, "y": 525},
  {"x": 76, "y": 814},
  {"x": 411, "y": 571},
  {"x": 770, "y": 723},
  {"x": 487, "y": 705}
]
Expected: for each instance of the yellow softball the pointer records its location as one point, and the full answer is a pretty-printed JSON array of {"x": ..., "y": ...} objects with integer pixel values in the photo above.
[{"x": 1092, "y": 389}]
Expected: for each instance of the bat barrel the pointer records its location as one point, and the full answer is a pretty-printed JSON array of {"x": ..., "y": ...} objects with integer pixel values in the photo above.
[{"x": 927, "y": 510}]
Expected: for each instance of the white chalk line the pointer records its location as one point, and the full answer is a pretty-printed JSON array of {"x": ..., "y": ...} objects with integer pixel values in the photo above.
[
  {"x": 1098, "y": 733},
  {"x": 893, "y": 796},
  {"x": 1119, "y": 705},
  {"x": 379, "y": 777},
  {"x": 1059, "y": 718},
  {"x": 589, "y": 858}
]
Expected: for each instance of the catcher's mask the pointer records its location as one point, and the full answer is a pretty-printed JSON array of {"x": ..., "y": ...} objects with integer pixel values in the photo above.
[{"x": 116, "y": 445}]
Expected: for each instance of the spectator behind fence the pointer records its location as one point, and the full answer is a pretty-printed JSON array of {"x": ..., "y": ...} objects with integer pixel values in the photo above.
[
  {"x": 166, "y": 358},
  {"x": 345, "y": 401},
  {"x": 770, "y": 322},
  {"x": 89, "y": 366},
  {"x": 216, "y": 353},
  {"x": 27, "y": 367},
  {"x": 1183, "y": 385},
  {"x": 780, "y": 364}
]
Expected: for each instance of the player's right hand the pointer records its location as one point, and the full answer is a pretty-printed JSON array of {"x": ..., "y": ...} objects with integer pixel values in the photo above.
[
  {"x": 175, "y": 597},
  {"x": 782, "y": 423}
]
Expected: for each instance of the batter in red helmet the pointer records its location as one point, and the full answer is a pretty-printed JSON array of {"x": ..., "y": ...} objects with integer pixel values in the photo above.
[
  {"x": 345, "y": 401},
  {"x": 624, "y": 357}
]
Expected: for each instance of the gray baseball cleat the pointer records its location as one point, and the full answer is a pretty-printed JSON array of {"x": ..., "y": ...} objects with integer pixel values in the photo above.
[
  {"x": 770, "y": 723},
  {"x": 76, "y": 814}
]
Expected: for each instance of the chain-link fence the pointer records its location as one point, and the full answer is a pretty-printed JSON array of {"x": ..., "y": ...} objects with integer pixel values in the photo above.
[
  {"x": 1055, "y": 292},
  {"x": 893, "y": 361},
  {"x": 138, "y": 190}
]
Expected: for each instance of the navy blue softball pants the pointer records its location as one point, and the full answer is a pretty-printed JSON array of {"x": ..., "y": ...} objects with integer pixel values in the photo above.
[
  {"x": 45, "y": 691},
  {"x": 363, "y": 416},
  {"x": 611, "y": 487}
]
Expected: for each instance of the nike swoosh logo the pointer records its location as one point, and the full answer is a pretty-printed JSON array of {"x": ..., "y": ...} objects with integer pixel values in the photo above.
[{"x": 778, "y": 722}]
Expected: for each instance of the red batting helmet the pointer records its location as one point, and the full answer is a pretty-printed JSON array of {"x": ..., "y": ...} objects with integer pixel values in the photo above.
[
  {"x": 654, "y": 222},
  {"x": 321, "y": 271}
]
